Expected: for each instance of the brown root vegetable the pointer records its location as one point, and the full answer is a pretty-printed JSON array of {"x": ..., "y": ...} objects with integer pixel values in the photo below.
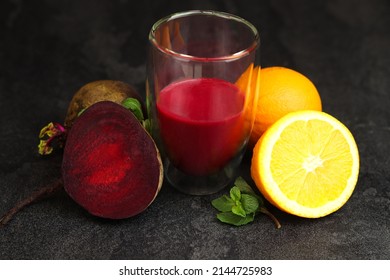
[
  {"x": 111, "y": 166},
  {"x": 93, "y": 92},
  {"x": 89, "y": 94}
]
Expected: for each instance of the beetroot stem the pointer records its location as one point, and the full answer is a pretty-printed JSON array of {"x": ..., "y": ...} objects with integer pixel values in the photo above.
[{"x": 40, "y": 194}]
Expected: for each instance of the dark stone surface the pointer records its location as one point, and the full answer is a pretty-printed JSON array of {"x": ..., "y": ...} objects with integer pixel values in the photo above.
[{"x": 48, "y": 49}]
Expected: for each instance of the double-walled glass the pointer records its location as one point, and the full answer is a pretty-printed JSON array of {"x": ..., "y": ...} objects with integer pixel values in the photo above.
[{"x": 199, "y": 96}]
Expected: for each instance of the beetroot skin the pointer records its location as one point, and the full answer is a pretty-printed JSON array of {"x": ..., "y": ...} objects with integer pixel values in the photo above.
[{"x": 111, "y": 166}]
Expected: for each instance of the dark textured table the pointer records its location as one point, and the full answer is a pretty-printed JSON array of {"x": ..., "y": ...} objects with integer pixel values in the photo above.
[{"x": 49, "y": 49}]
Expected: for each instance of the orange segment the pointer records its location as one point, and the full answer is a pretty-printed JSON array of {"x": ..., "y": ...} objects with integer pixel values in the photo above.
[{"x": 306, "y": 163}]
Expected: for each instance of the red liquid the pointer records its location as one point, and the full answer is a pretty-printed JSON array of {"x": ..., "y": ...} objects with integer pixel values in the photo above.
[{"x": 201, "y": 123}]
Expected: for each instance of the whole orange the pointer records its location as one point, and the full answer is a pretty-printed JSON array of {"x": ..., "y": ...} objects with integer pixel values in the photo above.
[{"x": 282, "y": 90}]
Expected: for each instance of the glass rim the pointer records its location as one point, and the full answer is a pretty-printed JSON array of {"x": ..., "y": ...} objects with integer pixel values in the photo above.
[{"x": 224, "y": 15}]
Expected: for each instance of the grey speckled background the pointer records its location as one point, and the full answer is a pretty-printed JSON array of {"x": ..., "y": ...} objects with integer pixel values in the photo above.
[{"x": 48, "y": 49}]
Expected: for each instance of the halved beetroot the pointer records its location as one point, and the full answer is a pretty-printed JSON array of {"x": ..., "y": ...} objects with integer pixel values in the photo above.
[{"x": 111, "y": 166}]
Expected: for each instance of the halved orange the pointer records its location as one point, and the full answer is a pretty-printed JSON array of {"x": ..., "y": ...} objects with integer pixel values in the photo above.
[{"x": 306, "y": 164}]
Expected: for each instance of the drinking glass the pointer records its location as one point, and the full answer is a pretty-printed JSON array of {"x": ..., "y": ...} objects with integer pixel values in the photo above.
[{"x": 199, "y": 96}]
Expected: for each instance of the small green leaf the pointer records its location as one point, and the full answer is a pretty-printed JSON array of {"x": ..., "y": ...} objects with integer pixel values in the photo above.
[
  {"x": 238, "y": 209},
  {"x": 249, "y": 203},
  {"x": 246, "y": 188},
  {"x": 235, "y": 194},
  {"x": 223, "y": 203},
  {"x": 134, "y": 106},
  {"x": 232, "y": 219},
  {"x": 243, "y": 186}
]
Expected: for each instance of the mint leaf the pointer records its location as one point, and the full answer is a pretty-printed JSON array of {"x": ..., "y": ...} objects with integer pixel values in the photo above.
[
  {"x": 232, "y": 219},
  {"x": 235, "y": 194},
  {"x": 243, "y": 186},
  {"x": 223, "y": 203},
  {"x": 249, "y": 203},
  {"x": 238, "y": 209}
]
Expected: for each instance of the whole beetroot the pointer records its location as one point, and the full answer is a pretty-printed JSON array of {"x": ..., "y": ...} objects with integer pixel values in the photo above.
[
  {"x": 96, "y": 91},
  {"x": 89, "y": 94}
]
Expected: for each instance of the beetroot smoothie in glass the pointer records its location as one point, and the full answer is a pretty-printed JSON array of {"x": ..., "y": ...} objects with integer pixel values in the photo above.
[
  {"x": 198, "y": 104},
  {"x": 201, "y": 123}
]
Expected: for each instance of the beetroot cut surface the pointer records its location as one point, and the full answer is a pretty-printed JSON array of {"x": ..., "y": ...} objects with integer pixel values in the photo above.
[{"x": 111, "y": 165}]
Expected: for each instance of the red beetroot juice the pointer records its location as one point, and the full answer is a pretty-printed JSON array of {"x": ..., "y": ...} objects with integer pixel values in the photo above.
[{"x": 201, "y": 123}]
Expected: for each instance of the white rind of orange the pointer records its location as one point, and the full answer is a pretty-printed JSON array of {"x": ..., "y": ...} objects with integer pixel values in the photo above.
[{"x": 262, "y": 175}]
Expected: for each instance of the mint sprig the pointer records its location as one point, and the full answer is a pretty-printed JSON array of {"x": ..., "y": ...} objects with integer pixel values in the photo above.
[{"x": 241, "y": 206}]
